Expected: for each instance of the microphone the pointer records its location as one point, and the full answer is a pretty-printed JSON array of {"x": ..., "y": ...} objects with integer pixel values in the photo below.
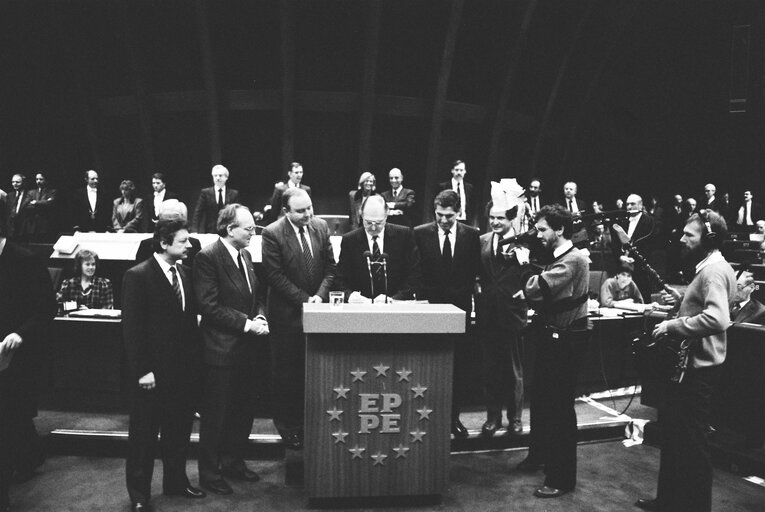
[
  {"x": 609, "y": 216},
  {"x": 368, "y": 256},
  {"x": 624, "y": 238},
  {"x": 525, "y": 237},
  {"x": 384, "y": 258}
]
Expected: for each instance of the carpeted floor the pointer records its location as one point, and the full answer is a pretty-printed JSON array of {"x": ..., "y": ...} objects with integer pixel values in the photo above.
[{"x": 611, "y": 477}]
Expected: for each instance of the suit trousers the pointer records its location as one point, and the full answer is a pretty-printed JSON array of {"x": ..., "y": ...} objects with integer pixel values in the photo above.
[
  {"x": 465, "y": 356},
  {"x": 553, "y": 418},
  {"x": 153, "y": 412},
  {"x": 287, "y": 379},
  {"x": 503, "y": 372},
  {"x": 20, "y": 446},
  {"x": 685, "y": 469},
  {"x": 228, "y": 408}
]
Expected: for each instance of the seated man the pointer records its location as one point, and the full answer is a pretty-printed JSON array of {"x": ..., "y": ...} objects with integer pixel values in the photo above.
[
  {"x": 745, "y": 309},
  {"x": 620, "y": 289}
]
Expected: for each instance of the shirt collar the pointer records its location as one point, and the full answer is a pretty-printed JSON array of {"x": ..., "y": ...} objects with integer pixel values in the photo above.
[
  {"x": 713, "y": 257},
  {"x": 296, "y": 228},
  {"x": 165, "y": 266},
  {"x": 380, "y": 236},
  {"x": 568, "y": 244},
  {"x": 230, "y": 248}
]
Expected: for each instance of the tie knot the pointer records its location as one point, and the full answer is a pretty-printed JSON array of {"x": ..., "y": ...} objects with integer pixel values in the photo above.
[
  {"x": 447, "y": 232},
  {"x": 173, "y": 270},
  {"x": 374, "y": 238},
  {"x": 301, "y": 229}
]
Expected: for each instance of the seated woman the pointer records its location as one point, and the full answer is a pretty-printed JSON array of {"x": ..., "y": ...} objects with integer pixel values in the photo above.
[
  {"x": 367, "y": 186},
  {"x": 87, "y": 290},
  {"x": 128, "y": 211},
  {"x": 620, "y": 289}
]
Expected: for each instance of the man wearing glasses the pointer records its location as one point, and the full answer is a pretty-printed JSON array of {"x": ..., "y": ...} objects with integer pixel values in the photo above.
[
  {"x": 379, "y": 261},
  {"x": 231, "y": 301}
]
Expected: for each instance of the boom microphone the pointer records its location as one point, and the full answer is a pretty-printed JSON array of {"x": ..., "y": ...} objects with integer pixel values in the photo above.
[{"x": 525, "y": 237}]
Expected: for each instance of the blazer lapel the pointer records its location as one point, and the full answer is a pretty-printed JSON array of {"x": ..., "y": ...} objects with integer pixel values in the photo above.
[
  {"x": 164, "y": 284},
  {"x": 231, "y": 269},
  {"x": 292, "y": 242}
]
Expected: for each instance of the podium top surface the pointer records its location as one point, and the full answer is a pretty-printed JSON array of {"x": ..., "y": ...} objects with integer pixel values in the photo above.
[{"x": 397, "y": 318}]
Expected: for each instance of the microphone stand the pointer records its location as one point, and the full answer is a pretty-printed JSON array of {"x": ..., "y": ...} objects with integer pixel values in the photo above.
[{"x": 385, "y": 277}]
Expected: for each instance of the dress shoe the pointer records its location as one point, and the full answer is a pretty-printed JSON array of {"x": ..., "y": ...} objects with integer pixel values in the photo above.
[
  {"x": 216, "y": 486},
  {"x": 529, "y": 464},
  {"x": 141, "y": 507},
  {"x": 458, "y": 430},
  {"x": 188, "y": 492},
  {"x": 490, "y": 427},
  {"x": 549, "y": 492},
  {"x": 647, "y": 504},
  {"x": 241, "y": 473},
  {"x": 515, "y": 428}
]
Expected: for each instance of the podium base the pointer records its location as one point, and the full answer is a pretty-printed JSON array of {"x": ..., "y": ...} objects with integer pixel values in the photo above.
[{"x": 375, "y": 501}]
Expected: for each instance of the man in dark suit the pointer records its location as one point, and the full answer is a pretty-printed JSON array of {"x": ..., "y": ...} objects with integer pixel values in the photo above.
[
  {"x": 300, "y": 267},
  {"x": 164, "y": 356},
  {"x": 640, "y": 229},
  {"x": 18, "y": 200},
  {"x": 400, "y": 200},
  {"x": 464, "y": 190},
  {"x": 231, "y": 300},
  {"x": 171, "y": 209},
  {"x": 570, "y": 201},
  {"x": 212, "y": 200},
  {"x": 362, "y": 252},
  {"x": 160, "y": 195},
  {"x": 294, "y": 180},
  {"x": 450, "y": 257},
  {"x": 42, "y": 211},
  {"x": 91, "y": 209},
  {"x": 745, "y": 309},
  {"x": 502, "y": 313},
  {"x": 27, "y": 305},
  {"x": 749, "y": 213}
]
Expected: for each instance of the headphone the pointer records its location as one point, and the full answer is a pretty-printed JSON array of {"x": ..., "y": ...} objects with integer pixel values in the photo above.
[{"x": 709, "y": 238}]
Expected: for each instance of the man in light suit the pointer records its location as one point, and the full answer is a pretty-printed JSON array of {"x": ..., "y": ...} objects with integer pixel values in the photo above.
[
  {"x": 378, "y": 239},
  {"x": 164, "y": 356},
  {"x": 91, "y": 209},
  {"x": 450, "y": 257},
  {"x": 25, "y": 314},
  {"x": 212, "y": 200},
  {"x": 294, "y": 180},
  {"x": 231, "y": 301},
  {"x": 464, "y": 189},
  {"x": 400, "y": 200},
  {"x": 300, "y": 267}
]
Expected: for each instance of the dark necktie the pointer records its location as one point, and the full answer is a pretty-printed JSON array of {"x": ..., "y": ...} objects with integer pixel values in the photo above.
[
  {"x": 18, "y": 200},
  {"x": 377, "y": 270},
  {"x": 177, "y": 286},
  {"x": 446, "y": 252},
  {"x": 242, "y": 271},
  {"x": 735, "y": 311},
  {"x": 307, "y": 256},
  {"x": 220, "y": 199},
  {"x": 570, "y": 205}
]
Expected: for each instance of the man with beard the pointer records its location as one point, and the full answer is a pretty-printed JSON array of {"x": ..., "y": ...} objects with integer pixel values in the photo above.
[
  {"x": 703, "y": 315},
  {"x": 559, "y": 295}
]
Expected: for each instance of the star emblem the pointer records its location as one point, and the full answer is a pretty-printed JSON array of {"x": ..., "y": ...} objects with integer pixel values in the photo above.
[
  {"x": 334, "y": 414},
  {"x": 403, "y": 374},
  {"x": 381, "y": 370},
  {"x": 417, "y": 436},
  {"x": 358, "y": 374},
  {"x": 379, "y": 459},
  {"x": 340, "y": 437},
  {"x": 357, "y": 452},
  {"x": 419, "y": 390},
  {"x": 424, "y": 413},
  {"x": 401, "y": 451},
  {"x": 342, "y": 392}
]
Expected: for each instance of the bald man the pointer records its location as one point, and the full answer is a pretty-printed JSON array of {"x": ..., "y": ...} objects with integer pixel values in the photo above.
[
  {"x": 640, "y": 227},
  {"x": 212, "y": 200}
]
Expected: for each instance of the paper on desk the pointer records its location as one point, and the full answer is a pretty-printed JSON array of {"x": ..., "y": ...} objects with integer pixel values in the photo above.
[{"x": 93, "y": 313}]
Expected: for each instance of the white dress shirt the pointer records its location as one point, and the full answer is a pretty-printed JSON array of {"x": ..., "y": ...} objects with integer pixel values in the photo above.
[
  {"x": 452, "y": 238},
  {"x": 159, "y": 197},
  {"x": 165, "y": 266},
  {"x": 307, "y": 236},
  {"x": 459, "y": 187},
  {"x": 633, "y": 224},
  {"x": 92, "y": 196},
  {"x": 380, "y": 242}
]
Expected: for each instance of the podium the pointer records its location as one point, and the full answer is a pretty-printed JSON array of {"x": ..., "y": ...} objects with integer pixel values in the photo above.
[{"x": 378, "y": 398}]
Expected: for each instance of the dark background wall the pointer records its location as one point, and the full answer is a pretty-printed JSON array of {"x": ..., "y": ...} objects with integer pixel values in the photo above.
[{"x": 620, "y": 96}]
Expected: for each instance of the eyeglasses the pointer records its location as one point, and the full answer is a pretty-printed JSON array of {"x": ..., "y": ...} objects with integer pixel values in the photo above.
[
  {"x": 249, "y": 229},
  {"x": 373, "y": 222}
]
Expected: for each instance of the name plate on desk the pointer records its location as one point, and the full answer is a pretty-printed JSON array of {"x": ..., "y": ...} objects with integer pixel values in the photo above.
[{"x": 396, "y": 318}]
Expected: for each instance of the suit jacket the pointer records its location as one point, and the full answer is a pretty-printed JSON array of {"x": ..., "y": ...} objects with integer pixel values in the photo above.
[
  {"x": 146, "y": 250},
  {"x": 27, "y": 307},
  {"x": 500, "y": 279},
  {"x": 404, "y": 202},
  {"x": 441, "y": 285},
  {"x": 129, "y": 217},
  {"x": 276, "y": 200},
  {"x": 206, "y": 211},
  {"x": 41, "y": 221},
  {"x": 757, "y": 213},
  {"x": 225, "y": 303},
  {"x": 403, "y": 263},
  {"x": 289, "y": 283},
  {"x": 642, "y": 238},
  {"x": 83, "y": 219},
  {"x": 581, "y": 204},
  {"x": 17, "y": 222},
  {"x": 753, "y": 312},
  {"x": 469, "y": 211},
  {"x": 159, "y": 335},
  {"x": 150, "y": 216}
]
